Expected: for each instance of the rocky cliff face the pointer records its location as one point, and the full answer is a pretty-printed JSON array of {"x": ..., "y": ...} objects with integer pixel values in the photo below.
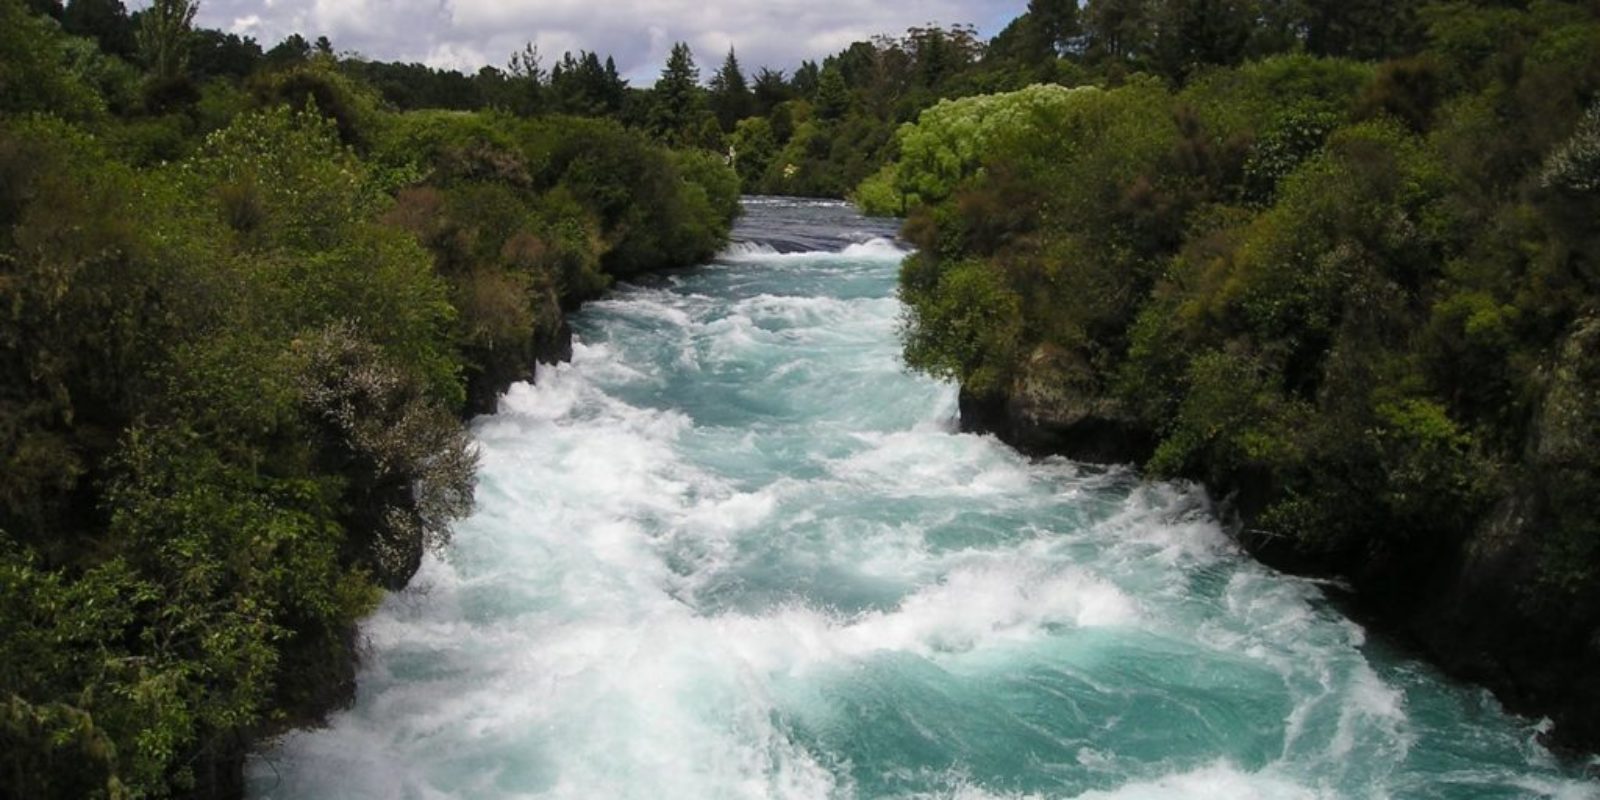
[
  {"x": 1519, "y": 610},
  {"x": 1514, "y": 604},
  {"x": 1055, "y": 406},
  {"x": 495, "y": 375}
]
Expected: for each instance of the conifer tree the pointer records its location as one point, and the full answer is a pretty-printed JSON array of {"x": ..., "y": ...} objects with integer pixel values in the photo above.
[
  {"x": 1052, "y": 24},
  {"x": 770, "y": 88},
  {"x": 833, "y": 96},
  {"x": 1191, "y": 33},
  {"x": 806, "y": 79},
  {"x": 1116, "y": 31},
  {"x": 679, "y": 102},
  {"x": 528, "y": 75},
  {"x": 730, "y": 94}
]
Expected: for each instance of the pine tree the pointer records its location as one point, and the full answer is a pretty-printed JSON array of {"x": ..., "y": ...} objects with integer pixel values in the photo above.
[
  {"x": 833, "y": 96},
  {"x": 770, "y": 89},
  {"x": 1191, "y": 33},
  {"x": 806, "y": 79},
  {"x": 1051, "y": 26},
  {"x": 678, "y": 102},
  {"x": 1365, "y": 29},
  {"x": 730, "y": 94},
  {"x": 528, "y": 76},
  {"x": 292, "y": 50},
  {"x": 580, "y": 84},
  {"x": 1117, "y": 31},
  {"x": 616, "y": 89}
]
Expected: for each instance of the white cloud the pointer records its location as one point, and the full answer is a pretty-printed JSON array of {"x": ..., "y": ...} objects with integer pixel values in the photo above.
[
  {"x": 246, "y": 25},
  {"x": 467, "y": 34}
]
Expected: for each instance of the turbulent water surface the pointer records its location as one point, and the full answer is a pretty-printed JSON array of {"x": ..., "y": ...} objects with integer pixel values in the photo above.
[{"x": 735, "y": 550}]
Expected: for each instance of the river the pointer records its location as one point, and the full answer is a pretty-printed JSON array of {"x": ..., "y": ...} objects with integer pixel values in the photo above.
[{"x": 735, "y": 550}]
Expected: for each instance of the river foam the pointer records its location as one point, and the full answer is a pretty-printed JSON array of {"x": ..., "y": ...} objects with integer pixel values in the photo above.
[{"x": 735, "y": 550}]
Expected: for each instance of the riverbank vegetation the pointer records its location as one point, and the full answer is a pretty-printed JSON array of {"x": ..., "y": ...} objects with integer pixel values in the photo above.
[
  {"x": 1335, "y": 259},
  {"x": 1344, "y": 272},
  {"x": 244, "y": 306}
]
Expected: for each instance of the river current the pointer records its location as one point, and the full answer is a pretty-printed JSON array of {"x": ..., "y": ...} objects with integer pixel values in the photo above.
[{"x": 735, "y": 550}]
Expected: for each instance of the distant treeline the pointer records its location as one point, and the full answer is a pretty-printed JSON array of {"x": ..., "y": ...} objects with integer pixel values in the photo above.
[{"x": 820, "y": 127}]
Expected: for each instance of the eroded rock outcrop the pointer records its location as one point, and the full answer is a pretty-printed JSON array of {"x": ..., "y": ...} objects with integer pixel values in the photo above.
[
  {"x": 1512, "y": 605},
  {"x": 1520, "y": 610},
  {"x": 1056, "y": 406}
]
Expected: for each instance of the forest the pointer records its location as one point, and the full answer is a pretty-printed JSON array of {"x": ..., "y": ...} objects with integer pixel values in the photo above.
[{"x": 1334, "y": 260}]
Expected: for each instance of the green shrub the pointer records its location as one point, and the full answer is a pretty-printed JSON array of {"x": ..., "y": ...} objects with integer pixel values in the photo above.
[
  {"x": 966, "y": 328},
  {"x": 879, "y": 195}
]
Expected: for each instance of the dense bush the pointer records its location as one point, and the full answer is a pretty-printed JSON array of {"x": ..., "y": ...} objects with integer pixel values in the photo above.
[
  {"x": 1340, "y": 290},
  {"x": 239, "y": 325}
]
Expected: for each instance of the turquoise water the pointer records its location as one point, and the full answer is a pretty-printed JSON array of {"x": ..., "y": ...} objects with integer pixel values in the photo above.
[{"x": 735, "y": 550}]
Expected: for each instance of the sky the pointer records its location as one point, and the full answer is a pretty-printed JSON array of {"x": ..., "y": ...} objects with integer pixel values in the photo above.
[{"x": 468, "y": 34}]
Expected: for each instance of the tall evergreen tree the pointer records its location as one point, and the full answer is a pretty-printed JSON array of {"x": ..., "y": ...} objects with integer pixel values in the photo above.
[
  {"x": 582, "y": 85},
  {"x": 1368, "y": 29},
  {"x": 679, "y": 102},
  {"x": 616, "y": 88},
  {"x": 1116, "y": 31},
  {"x": 806, "y": 79},
  {"x": 527, "y": 75},
  {"x": 769, "y": 89},
  {"x": 292, "y": 50},
  {"x": 1192, "y": 33},
  {"x": 833, "y": 96},
  {"x": 217, "y": 53},
  {"x": 1050, "y": 28},
  {"x": 731, "y": 100}
]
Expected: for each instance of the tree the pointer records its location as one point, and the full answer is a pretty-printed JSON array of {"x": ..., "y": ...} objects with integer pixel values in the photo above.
[
  {"x": 941, "y": 53},
  {"x": 528, "y": 76},
  {"x": 33, "y": 77},
  {"x": 1191, "y": 33},
  {"x": 582, "y": 85},
  {"x": 1116, "y": 31},
  {"x": 49, "y": 8},
  {"x": 770, "y": 89},
  {"x": 806, "y": 79},
  {"x": 731, "y": 100},
  {"x": 754, "y": 148},
  {"x": 1052, "y": 26},
  {"x": 679, "y": 102},
  {"x": 1035, "y": 40},
  {"x": 218, "y": 53},
  {"x": 166, "y": 31},
  {"x": 292, "y": 50},
  {"x": 833, "y": 97},
  {"x": 105, "y": 21},
  {"x": 1366, "y": 29}
]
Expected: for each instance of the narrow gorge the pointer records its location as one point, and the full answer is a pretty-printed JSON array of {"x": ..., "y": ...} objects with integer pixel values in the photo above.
[{"x": 735, "y": 549}]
